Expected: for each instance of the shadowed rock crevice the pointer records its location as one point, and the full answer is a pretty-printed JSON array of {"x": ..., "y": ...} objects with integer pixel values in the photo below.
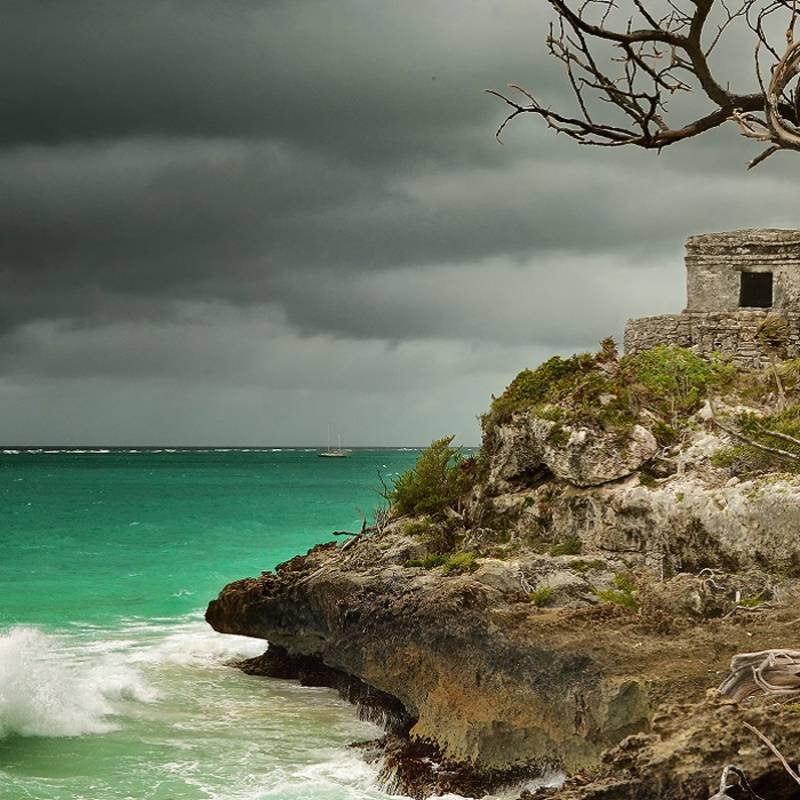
[{"x": 373, "y": 705}]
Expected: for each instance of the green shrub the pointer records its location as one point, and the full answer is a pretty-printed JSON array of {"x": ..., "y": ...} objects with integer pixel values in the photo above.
[
  {"x": 571, "y": 546},
  {"x": 672, "y": 381},
  {"x": 440, "y": 477},
  {"x": 622, "y": 595},
  {"x": 418, "y": 527},
  {"x": 546, "y": 384},
  {"x": 624, "y": 582},
  {"x": 547, "y": 379},
  {"x": 460, "y": 562},
  {"x": 541, "y": 597},
  {"x": 619, "y": 599},
  {"x": 610, "y": 393},
  {"x": 752, "y": 601}
]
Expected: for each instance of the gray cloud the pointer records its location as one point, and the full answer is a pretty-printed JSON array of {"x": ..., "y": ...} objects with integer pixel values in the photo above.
[{"x": 205, "y": 194}]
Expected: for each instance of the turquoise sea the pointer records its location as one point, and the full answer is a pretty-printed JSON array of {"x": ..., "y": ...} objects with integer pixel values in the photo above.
[{"x": 111, "y": 684}]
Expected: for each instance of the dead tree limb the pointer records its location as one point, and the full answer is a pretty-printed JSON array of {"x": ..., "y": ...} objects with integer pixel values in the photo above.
[
  {"x": 748, "y": 440},
  {"x": 777, "y": 753},
  {"x": 625, "y": 62},
  {"x": 740, "y": 778},
  {"x": 740, "y": 781},
  {"x": 774, "y": 672},
  {"x": 784, "y": 437}
]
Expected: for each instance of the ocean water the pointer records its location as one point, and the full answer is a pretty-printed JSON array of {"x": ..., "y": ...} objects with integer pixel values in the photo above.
[{"x": 111, "y": 684}]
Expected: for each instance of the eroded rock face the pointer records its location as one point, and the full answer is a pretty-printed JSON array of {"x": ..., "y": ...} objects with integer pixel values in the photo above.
[
  {"x": 590, "y": 488},
  {"x": 588, "y": 457},
  {"x": 529, "y": 447},
  {"x": 680, "y": 525},
  {"x": 591, "y": 604},
  {"x": 683, "y": 757},
  {"x": 460, "y": 655},
  {"x": 465, "y": 669}
]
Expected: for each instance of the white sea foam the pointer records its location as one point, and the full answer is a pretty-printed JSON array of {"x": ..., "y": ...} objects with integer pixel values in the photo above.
[
  {"x": 91, "y": 679},
  {"x": 342, "y": 774},
  {"x": 195, "y": 643},
  {"x": 50, "y": 688},
  {"x": 70, "y": 685}
]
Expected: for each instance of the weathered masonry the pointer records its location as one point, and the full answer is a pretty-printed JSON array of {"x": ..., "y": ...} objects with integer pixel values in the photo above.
[{"x": 734, "y": 282}]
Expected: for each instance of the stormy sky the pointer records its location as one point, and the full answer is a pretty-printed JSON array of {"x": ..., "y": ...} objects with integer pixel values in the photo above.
[{"x": 243, "y": 222}]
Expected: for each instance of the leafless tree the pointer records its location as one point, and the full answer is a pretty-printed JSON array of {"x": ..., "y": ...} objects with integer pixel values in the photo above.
[{"x": 626, "y": 60}]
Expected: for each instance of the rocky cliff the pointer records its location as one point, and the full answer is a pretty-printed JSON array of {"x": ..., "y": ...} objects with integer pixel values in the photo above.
[{"x": 613, "y": 548}]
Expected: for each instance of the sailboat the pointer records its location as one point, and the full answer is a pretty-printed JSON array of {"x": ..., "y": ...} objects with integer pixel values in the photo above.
[{"x": 334, "y": 452}]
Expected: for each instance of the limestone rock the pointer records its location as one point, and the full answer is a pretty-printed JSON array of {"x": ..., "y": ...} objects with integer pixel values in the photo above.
[
  {"x": 461, "y": 654},
  {"x": 529, "y": 446},
  {"x": 590, "y": 457}
]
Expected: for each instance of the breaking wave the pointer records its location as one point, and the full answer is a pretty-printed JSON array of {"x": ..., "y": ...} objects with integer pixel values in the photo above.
[
  {"x": 49, "y": 688},
  {"x": 69, "y": 685}
]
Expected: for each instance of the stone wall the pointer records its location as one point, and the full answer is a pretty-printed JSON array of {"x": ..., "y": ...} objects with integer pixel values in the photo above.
[
  {"x": 730, "y": 334},
  {"x": 715, "y": 261}
]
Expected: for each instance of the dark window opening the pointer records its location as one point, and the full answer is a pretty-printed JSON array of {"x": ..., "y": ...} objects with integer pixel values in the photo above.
[{"x": 756, "y": 290}]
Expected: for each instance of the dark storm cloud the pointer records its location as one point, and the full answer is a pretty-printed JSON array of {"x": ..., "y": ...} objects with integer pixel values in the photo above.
[
  {"x": 354, "y": 76},
  {"x": 288, "y": 195}
]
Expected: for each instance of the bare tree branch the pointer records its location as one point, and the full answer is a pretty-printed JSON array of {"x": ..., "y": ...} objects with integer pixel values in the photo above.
[
  {"x": 777, "y": 753},
  {"x": 737, "y": 434},
  {"x": 624, "y": 68}
]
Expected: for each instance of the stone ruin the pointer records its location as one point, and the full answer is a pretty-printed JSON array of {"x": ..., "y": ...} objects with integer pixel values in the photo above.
[{"x": 734, "y": 282}]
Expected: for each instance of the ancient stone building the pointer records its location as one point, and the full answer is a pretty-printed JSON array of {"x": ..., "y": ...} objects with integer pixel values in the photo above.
[{"x": 734, "y": 281}]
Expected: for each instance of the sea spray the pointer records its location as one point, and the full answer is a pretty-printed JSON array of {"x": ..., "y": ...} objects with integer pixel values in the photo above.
[{"x": 48, "y": 689}]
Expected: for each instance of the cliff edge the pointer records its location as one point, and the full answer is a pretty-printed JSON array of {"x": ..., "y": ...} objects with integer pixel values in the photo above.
[{"x": 565, "y": 601}]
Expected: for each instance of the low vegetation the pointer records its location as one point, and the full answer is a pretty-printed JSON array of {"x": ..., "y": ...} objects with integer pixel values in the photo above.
[
  {"x": 455, "y": 564},
  {"x": 439, "y": 479},
  {"x": 778, "y": 435},
  {"x": 622, "y": 594},
  {"x": 752, "y": 601},
  {"x": 610, "y": 392},
  {"x": 542, "y": 596},
  {"x": 571, "y": 546},
  {"x": 459, "y": 563}
]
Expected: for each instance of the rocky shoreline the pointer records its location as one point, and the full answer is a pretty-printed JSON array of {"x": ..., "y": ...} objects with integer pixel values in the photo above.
[{"x": 574, "y": 610}]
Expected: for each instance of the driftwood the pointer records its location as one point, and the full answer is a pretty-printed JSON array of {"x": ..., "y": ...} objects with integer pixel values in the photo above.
[
  {"x": 739, "y": 776},
  {"x": 740, "y": 780},
  {"x": 774, "y": 672},
  {"x": 777, "y": 753}
]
